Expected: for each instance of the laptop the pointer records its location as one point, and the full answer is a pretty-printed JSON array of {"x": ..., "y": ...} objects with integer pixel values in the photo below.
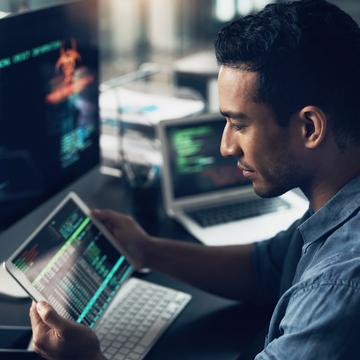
[
  {"x": 74, "y": 263},
  {"x": 208, "y": 194}
]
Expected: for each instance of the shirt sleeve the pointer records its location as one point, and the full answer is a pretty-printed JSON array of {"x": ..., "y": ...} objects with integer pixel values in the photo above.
[
  {"x": 268, "y": 258},
  {"x": 322, "y": 321}
]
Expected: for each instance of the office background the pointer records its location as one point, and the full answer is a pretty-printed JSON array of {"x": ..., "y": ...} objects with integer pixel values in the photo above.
[{"x": 136, "y": 31}]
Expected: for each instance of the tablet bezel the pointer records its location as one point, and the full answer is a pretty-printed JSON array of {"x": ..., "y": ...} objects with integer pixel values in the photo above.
[{"x": 20, "y": 277}]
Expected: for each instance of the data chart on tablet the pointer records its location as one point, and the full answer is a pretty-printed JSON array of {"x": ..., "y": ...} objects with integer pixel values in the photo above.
[{"x": 73, "y": 265}]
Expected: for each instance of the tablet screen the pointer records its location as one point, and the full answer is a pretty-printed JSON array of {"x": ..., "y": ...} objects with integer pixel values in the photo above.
[{"x": 73, "y": 265}]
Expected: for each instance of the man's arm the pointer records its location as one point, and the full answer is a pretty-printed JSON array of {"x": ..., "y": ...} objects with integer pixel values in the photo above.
[{"x": 223, "y": 270}]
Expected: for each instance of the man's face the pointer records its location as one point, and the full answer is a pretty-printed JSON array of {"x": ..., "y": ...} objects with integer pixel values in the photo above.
[{"x": 265, "y": 151}]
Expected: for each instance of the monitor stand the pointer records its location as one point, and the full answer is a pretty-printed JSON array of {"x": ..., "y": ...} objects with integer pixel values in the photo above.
[{"x": 9, "y": 287}]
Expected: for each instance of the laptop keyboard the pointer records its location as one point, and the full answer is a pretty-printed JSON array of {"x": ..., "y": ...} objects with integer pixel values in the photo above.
[
  {"x": 236, "y": 211},
  {"x": 137, "y": 318}
]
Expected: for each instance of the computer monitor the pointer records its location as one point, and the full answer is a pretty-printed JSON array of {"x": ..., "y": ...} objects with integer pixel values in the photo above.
[{"x": 49, "y": 114}]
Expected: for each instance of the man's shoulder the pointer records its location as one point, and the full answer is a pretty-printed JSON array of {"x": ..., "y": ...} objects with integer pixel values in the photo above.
[
  {"x": 338, "y": 255},
  {"x": 331, "y": 266}
]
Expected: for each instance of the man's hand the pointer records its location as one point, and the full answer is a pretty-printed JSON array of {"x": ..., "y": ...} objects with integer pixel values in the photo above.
[
  {"x": 131, "y": 238},
  {"x": 212, "y": 268},
  {"x": 57, "y": 338}
]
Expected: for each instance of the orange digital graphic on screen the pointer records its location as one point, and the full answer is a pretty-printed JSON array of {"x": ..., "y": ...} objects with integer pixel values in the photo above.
[
  {"x": 72, "y": 80},
  {"x": 67, "y": 61}
]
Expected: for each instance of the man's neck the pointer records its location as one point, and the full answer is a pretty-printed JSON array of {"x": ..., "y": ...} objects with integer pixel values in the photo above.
[{"x": 331, "y": 178}]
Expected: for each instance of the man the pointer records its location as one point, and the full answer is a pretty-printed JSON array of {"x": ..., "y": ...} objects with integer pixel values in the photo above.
[{"x": 288, "y": 88}]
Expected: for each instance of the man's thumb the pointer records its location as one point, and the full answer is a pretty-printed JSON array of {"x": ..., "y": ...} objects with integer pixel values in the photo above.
[
  {"x": 105, "y": 215},
  {"x": 49, "y": 316}
]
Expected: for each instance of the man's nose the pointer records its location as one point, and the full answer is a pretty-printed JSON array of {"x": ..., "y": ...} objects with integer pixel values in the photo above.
[{"x": 228, "y": 146}]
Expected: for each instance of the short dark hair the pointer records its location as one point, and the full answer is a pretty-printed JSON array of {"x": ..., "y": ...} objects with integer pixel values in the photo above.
[{"x": 305, "y": 53}]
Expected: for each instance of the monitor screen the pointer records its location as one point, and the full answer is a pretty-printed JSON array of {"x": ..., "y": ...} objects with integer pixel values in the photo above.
[
  {"x": 196, "y": 165},
  {"x": 49, "y": 116}
]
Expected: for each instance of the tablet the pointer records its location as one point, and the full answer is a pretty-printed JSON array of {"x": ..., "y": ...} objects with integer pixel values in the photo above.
[{"x": 72, "y": 262}]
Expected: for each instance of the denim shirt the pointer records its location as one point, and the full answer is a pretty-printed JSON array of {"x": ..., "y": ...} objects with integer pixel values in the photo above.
[{"x": 312, "y": 272}]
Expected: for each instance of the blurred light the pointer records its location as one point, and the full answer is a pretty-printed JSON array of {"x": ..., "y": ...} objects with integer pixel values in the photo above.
[
  {"x": 245, "y": 7},
  {"x": 225, "y": 9},
  {"x": 260, "y": 4}
]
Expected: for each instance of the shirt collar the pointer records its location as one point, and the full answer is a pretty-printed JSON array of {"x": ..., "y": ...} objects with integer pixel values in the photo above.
[{"x": 334, "y": 212}]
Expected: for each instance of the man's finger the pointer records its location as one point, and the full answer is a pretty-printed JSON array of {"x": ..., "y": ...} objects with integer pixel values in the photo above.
[
  {"x": 40, "y": 330},
  {"x": 49, "y": 316},
  {"x": 106, "y": 215},
  {"x": 35, "y": 319},
  {"x": 33, "y": 314}
]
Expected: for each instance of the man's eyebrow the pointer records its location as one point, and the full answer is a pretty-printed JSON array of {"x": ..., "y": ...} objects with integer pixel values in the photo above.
[{"x": 234, "y": 116}]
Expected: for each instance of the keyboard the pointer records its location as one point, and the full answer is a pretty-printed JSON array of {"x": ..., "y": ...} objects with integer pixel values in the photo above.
[
  {"x": 236, "y": 211},
  {"x": 136, "y": 318}
]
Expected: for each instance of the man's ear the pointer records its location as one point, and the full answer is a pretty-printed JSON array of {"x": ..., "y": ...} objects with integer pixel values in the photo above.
[{"x": 313, "y": 124}]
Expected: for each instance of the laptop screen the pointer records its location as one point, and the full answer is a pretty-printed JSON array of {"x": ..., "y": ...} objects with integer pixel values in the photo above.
[
  {"x": 195, "y": 163},
  {"x": 72, "y": 264}
]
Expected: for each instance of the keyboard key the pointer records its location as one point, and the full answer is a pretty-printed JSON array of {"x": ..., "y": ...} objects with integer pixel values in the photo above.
[
  {"x": 112, "y": 350},
  {"x": 134, "y": 356},
  {"x": 134, "y": 339},
  {"x": 140, "y": 349},
  {"x": 119, "y": 357},
  {"x": 124, "y": 351},
  {"x": 106, "y": 343},
  {"x": 130, "y": 344}
]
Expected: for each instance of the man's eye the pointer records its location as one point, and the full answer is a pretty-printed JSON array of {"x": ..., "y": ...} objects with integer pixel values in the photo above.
[{"x": 238, "y": 127}]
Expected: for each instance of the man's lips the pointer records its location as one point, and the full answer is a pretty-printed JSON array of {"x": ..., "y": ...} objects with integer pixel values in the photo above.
[
  {"x": 246, "y": 171},
  {"x": 244, "y": 168}
]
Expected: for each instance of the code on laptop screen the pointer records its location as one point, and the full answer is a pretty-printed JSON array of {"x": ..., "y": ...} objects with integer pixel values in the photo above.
[
  {"x": 73, "y": 265},
  {"x": 196, "y": 165}
]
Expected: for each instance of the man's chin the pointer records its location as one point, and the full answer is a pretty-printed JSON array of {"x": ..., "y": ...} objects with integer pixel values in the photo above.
[{"x": 267, "y": 191}]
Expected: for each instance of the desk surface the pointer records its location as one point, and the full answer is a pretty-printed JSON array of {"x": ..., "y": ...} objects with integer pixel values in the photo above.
[{"x": 209, "y": 328}]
